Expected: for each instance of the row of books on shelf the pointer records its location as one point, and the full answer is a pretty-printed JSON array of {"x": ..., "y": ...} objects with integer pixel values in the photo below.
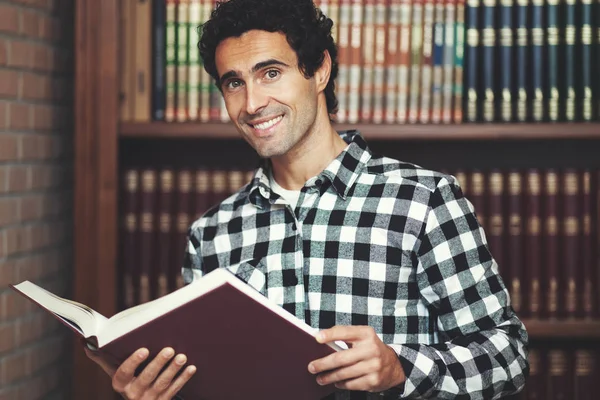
[
  {"x": 541, "y": 225},
  {"x": 561, "y": 372},
  {"x": 400, "y": 61}
]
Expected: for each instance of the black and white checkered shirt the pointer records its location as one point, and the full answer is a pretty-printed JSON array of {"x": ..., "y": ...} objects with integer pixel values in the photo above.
[{"x": 385, "y": 244}]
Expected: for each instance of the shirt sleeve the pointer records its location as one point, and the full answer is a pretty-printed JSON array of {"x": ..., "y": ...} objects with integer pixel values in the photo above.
[
  {"x": 192, "y": 260},
  {"x": 482, "y": 350}
]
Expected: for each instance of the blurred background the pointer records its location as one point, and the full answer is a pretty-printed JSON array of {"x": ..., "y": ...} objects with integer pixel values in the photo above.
[{"x": 113, "y": 140}]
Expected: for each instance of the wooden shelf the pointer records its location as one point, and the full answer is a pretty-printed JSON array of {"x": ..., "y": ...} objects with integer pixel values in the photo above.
[
  {"x": 565, "y": 329},
  {"x": 499, "y": 131}
]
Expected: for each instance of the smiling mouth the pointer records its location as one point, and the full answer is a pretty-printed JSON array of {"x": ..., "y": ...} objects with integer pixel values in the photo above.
[{"x": 267, "y": 124}]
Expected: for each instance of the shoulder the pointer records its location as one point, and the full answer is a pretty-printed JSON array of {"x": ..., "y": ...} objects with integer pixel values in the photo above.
[
  {"x": 224, "y": 211},
  {"x": 396, "y": 172}
]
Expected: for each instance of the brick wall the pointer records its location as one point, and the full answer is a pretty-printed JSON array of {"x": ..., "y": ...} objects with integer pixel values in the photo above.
[{"x": 36, "y": 187}]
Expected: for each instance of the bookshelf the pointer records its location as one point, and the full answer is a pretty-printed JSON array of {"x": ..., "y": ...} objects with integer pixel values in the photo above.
[
  {"x": 99, "y": 136},
  {"x": 475, "y": 132}
]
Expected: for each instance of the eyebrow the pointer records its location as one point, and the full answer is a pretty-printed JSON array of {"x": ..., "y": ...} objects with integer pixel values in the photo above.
[{"x": 255, "y": 68}]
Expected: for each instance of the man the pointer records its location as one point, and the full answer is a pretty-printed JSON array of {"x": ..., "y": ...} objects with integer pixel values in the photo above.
[{"x": 383, "y": 255}]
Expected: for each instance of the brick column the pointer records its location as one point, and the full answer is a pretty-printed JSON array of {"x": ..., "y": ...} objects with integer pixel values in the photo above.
[{"x": 36, "y": 188}]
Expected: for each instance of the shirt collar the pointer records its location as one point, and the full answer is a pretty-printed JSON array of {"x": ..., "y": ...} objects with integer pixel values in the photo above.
[{"x": 342, "y": 172}]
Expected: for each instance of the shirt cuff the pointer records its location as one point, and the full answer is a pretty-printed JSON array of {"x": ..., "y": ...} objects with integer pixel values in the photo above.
[{"x": 421, "y": 371}]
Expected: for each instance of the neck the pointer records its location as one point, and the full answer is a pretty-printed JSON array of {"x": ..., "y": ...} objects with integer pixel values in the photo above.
[{"x": 316, "y": 151}]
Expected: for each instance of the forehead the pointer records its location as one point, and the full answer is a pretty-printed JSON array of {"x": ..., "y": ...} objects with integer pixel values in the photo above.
[{"x": 241, "y": 53}]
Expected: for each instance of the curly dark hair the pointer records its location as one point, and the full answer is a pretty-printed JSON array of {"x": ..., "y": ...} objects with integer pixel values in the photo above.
[{"x": 307, "y": 29}]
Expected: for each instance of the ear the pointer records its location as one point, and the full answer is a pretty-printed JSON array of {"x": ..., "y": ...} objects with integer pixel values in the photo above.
[{"x": 322, "y": 74}]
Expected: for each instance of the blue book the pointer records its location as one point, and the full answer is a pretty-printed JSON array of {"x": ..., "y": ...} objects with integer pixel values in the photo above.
[
  {"x": 472, "y": 61},
  {"x": 537, "y": 60},
  {"x": 553, "y": 93},
  {"x": 506, "y": 56},
  {"x": 586, "y": 60},
  {"x": 570, "y": 34},
  {"x": 522, "y": 60},
  {"x": 489, "y": 60}
]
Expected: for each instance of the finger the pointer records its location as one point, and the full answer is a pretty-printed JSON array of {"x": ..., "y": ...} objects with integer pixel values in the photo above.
[
  {"x": 343, "y": 374},
  {"x": 166, "y": 377},
  {"x": 146, "y": 378},
  {"x": 126, "y": 371},
  {"x": 338, "y": 360},
  {"x": 179, "y": 383},
  {"x": 344, "y": 333},
  {"x": 108, "y": 368}
]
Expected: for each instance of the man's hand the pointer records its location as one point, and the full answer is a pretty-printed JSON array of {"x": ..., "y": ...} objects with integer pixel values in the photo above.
[
  {"x": 151, "y": 383},
  {"x": 368, "y": 364}
]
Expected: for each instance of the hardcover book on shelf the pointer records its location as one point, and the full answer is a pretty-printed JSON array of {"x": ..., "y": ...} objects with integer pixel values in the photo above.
[{"x": 243, "y": 345}]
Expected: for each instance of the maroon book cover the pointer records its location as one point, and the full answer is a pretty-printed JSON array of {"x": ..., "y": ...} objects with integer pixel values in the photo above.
[
  {"x": 496, "y": 231},
  {"x": 129, "y": 237},
  {"x": 585, "y": 375},
  {"x": 243, "y": 346},
  {"x": 551, "y": 243},
  {"x": 587, "y": 279},
  {"x": 514, "y": 255},
  {"x": 147, "y": 258},
  {"x": 164, "y": 246},
  {"x": 570, "y": 242},
  {"x": 533, "y": 244}
]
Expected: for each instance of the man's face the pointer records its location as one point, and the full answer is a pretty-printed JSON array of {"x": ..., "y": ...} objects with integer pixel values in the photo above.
[{"x": 269, "y": 100}]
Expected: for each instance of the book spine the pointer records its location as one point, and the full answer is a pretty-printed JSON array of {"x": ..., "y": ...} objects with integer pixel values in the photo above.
[
  {"x": 515, "y": 255},
  {"x": 536, "y": 382},
  {"x": 426, "y": 66},
  {"x": 570, "y": 241},
  {"x": 380, "y": 83},
  {"x": 183, "y": 59},
  {"x": 126, "y": 53},
  {"x": 438, "y": 60},
  {"x": 533, "y": 243},
  {"x": 585, "y": 374},
  {"x": 392, "y": 58},
  {"x": 489, "y": 60},
  {"x": 344, "y": 57},
  {"x": 569, "y": 58},
  {"x": 171, "y": 59},
  {"x": 558, "y": 377},
  {"x": 193, "y": 93},
  {"x": 201, "y": 201},
  {"x": 369, "y": 52},
  {"x": 553, "y": 32},
  {"x": 522, "y": 61},
  {"x": 473, "y": 60},
  {"x": 506, "y": 50},
  {"x": 182, "y": 224},
  {"x": 459, "y": 50},
  {"x": 496, "y": 218},
  {"x": 130, "y": 242},
  {"x": 158, "y": 60},
  {"x": 165, "y": 229},
  {"x": 147, "y": 237},
  {"x": 205, "y": 78},
  {"x": 551, "y": 243},
  {"x": 586, "y": 246},
  {"x": 143, "y": 61},
  {"x": 404, "y": 62},
  {"x": 586, "y": 61},
  {"x": 355, "y": 61},
  {"x": 478, "y": 189},
  {"x": 415, "y": 66},
  {"x": 450, "y": 25},
  {"x": 537, "y": 60}
]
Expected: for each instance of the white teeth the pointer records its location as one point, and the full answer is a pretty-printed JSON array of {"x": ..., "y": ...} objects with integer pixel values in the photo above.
[{"x": 268, "y": 124}]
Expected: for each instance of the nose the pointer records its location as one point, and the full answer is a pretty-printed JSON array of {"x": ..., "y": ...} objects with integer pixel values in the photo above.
[{"x": 256, "y": 99}]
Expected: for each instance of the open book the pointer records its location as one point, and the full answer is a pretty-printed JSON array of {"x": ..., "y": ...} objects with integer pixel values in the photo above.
[{"x": 243, "y": 345}]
